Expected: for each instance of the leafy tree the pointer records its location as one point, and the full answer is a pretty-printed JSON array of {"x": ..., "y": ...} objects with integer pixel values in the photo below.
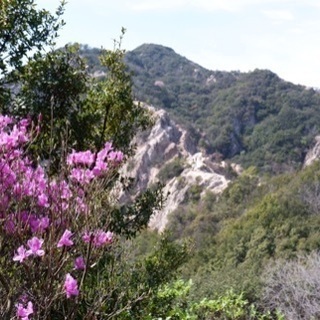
[
  {"x": 24, "y": 32},
  {"x": 54, "y": 86},
  {"x": 77, "y": 106},
  {"x": 111, "y": 102},
  {"x": 53, "y": 189}
]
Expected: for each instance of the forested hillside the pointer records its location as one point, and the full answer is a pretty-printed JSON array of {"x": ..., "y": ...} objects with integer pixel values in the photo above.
[
  {"x": 253, "y": 118},
  {"x": 254, "y": 245}
]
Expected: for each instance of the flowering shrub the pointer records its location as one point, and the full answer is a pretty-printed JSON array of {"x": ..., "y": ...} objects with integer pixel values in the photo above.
[{"x": 53, "y": 230}]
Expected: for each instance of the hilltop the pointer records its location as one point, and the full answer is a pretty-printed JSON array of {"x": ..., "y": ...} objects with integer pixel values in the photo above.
[{"x": 253, "y": 118}]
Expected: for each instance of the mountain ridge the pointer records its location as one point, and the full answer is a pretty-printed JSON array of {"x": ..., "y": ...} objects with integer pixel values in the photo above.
[
  {"x": 266, "y": 212},
  {"x": 241, "y": 116},
  {"x": 254, "y": 118}
]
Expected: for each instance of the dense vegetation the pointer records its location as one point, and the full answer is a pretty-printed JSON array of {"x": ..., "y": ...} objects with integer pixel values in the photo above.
[
  {"x": 262, "y": 223},
  {"x": 254, "y": 118},
  {"x": 240, "y": 234},
  {"x": 255, "y": 246}
]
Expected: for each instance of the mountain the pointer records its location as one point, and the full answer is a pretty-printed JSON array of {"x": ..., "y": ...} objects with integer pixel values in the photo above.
[
  {"x": 237, "y": 155},
  {"x": 206, "y": 121},
  {"x": 252, "y": 118}
]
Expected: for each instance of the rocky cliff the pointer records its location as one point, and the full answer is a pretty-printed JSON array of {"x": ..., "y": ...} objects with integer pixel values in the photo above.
[
  {"x": 157, "y": 149},
  {"x": 313, "y": 154}
]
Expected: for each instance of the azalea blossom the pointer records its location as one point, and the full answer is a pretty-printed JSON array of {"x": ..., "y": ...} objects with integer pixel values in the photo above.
[
  {"x": 24, "y": 313},
  {"x": 81, "y": 157},
  {"x": 87, "y": 237},
  {"x": 79, "y": 263},
  {"x": 21, "y": 254},
  {"x": 101, "y": 238},
  {"x": 71, "y": 286},
  {"x": 43, "y": 200},
  {"x": 65, "y": 239},
  {"x": 38, "y": 224},
  {"x": 35, "y": 247}
]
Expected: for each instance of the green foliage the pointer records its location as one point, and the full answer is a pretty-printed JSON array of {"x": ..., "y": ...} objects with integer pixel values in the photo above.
[
  {"x": 54, "y": 85},
  {"x": 150, "y": 273},
  {"x": 173, "y": 302},
  {"x": 170, "y": 170},
  {"x": 24, "y": 32},
  {"x": 129, "y": 219},
  {"x": 111, "y": 103},
  {"x": 193, "y": 193},
  {"x": 254, "y": 118},
  {"x": 254, "y": 220}
]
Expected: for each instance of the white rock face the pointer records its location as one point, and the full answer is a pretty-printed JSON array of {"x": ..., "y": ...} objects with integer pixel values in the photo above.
[
  {"x": 313, "y": 154},
  {"x": 165, "y": 142}
]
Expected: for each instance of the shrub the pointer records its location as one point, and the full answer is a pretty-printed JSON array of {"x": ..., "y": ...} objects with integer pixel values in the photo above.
[
  {"x": 54, "y": 230},
  {"x": 172, "y": 169},
  {"x": 293, "y": 287}
]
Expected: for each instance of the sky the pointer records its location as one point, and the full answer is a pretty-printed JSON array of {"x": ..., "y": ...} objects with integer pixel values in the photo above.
[{"x": 280, "y": 35}]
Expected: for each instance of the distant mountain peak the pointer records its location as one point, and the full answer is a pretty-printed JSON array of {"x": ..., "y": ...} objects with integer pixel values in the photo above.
[
  {"x": 153, "y": 47},
  {"x": 252, "y": 118}
]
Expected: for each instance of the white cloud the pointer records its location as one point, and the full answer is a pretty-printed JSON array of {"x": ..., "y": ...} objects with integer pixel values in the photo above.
[
  {"x": 278, "y": 15},
  {"x": 156, "y": 5},
  {"x": 208, "y": 5},
  {"x": 312, "y": 3}
]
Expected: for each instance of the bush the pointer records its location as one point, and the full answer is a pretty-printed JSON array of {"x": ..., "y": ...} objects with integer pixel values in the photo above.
[
  {"x": 54, "y": 230},
  {"x": 293, "y": 287},
  {"x": 172, "y": 169},
  {"x": 174, "y": 302}
]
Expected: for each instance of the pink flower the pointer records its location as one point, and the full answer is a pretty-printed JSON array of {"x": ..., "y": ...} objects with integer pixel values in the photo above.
[
  {"x": 35, "y": 247},
  {"x": 99, "y": 168},
  {"x": 38, "y": 225},
  {"x": 116, "y": 156},
  {"x": 81, "y": 157},
  {"x": 83, "y": 176},
  {"x": 79, "y": 263},
  {"x": 87, "y": 237},
  {"x": 21, "y": 254},
  {"x": 24, "y": 313},
  {"x": 9, "y": 226},
  {"x": 43, "y": 200},
  {"x": 102, "y": 154},
  {"x": 4, "y": 121},
  {"x": 101, "y": 238},
  {"x": 65, "y": 239},
  {"x": 71, "y": 286}
]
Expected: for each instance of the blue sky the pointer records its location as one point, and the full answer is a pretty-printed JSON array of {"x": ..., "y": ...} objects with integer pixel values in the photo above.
[{"x": 279, "y": 35}]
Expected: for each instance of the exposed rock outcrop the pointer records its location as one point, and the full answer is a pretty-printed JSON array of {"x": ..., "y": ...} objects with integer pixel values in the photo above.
[
  {"x": 157, "y": 148},
  {"x": 313, "y": 154}
]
